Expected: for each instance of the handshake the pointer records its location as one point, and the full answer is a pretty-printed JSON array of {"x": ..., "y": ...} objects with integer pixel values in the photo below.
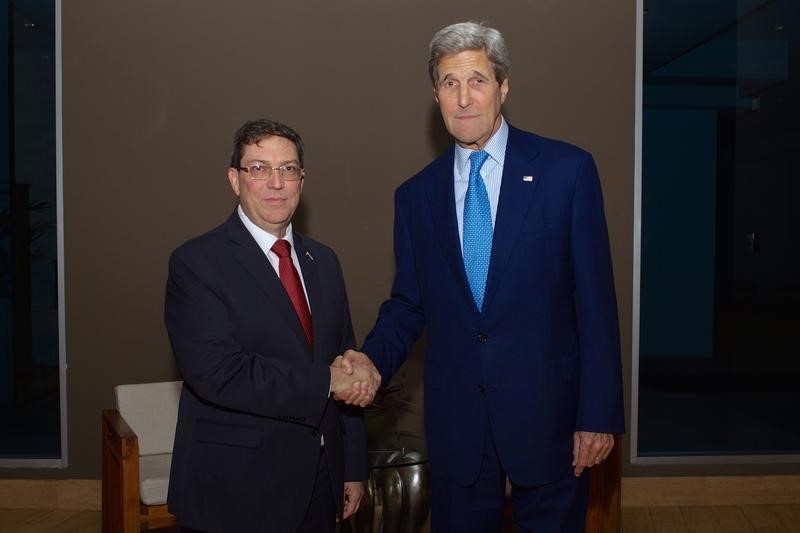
[{"x": 354, "y": 379}]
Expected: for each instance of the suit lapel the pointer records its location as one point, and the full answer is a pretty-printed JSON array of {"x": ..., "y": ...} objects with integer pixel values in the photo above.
[
  {"x": 516, "y": 195},
  {"x": 313, "y": 286},
  {"x": 252, "y": 259},
  {"x": 441, "y": 198}
]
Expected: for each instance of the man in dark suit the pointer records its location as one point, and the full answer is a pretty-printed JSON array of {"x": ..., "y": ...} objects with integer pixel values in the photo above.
[
  {"x": 502, "y": 254},
  {"x": 256, "y": 314}
]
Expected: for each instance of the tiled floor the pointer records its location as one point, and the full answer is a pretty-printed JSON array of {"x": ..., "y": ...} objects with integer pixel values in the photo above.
[
  {"x": 712, "y": 519},
  {"x": 48, "y": 521},
  {"x": 695, "y": 519}
]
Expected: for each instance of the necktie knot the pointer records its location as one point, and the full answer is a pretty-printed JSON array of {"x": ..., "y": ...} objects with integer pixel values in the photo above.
[
  {"x": 476, "y": 161},
  {"x": 282, "y": 248}
]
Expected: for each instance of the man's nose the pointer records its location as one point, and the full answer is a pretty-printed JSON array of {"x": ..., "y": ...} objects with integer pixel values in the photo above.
[
  {"x": 275, "y": 181},
  {"x": 464, "y": 96}
]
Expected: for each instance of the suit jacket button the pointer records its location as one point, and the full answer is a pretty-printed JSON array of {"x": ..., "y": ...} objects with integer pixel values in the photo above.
[{"x": 482, "y": 337}]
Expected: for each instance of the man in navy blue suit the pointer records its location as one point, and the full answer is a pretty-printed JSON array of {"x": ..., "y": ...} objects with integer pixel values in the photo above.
[
  {"x": 503, "y": 256},
  {"x": 256, "y": 314}
]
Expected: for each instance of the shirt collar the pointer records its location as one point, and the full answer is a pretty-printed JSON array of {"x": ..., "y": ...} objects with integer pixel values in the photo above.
[
  {"x": 264, "y": 239},
  {"x": 495, "y": 147}
]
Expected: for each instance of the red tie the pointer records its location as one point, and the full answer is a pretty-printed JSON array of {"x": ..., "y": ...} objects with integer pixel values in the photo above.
[{"x": 294, "y": 288}]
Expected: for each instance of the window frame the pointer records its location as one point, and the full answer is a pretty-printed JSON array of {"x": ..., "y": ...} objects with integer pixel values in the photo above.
[
  {"x": 635, "y": 458},
  {"x": 62, "y": 461}
]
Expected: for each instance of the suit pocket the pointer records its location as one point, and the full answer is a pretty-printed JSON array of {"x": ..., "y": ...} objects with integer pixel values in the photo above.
[
  {"x": 227, "y": 434},
  {"x": 546, "y": 240}
]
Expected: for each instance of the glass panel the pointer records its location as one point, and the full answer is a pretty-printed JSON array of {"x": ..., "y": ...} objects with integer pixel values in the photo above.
[
  {"x": 29, "y": 348},
  {"x": 719, "y": 357}
]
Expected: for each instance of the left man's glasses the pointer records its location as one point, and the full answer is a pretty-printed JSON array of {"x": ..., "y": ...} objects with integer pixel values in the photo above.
[{"x": 260, "y": 171}]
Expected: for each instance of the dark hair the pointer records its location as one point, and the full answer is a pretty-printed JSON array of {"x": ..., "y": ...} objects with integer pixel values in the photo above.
[
  {"x": 254, "y": 131},
  {"x": 469, "y": 36}
]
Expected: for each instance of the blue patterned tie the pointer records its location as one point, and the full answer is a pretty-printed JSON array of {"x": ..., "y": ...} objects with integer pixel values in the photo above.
[{"x": 477, "y": 229}]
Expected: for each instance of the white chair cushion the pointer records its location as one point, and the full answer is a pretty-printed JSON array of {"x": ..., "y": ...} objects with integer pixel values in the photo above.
[
  {"x": 154, "y": 478},
  {"x": 151, "y": 410}
]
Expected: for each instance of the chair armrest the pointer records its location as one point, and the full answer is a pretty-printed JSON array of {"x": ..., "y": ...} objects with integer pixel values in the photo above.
[
  {"x": 117, "y": 434},
  {"x": 120, "y": 472}
]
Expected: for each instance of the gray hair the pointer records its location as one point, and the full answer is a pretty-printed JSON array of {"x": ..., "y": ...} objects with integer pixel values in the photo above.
[{"x": 469, "y": 36}]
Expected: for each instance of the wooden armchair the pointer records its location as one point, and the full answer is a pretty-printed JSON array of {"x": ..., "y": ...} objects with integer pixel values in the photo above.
[{"x": 136, "y": 451}]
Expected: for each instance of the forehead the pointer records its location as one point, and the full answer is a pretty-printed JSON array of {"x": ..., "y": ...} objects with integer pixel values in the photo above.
[
  {"x": 271, "y": 148},
  {"x": 465, "y": 62}
]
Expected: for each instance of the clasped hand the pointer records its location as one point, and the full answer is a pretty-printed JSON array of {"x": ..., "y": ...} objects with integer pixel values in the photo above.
[{"x": 354, "y": 379}]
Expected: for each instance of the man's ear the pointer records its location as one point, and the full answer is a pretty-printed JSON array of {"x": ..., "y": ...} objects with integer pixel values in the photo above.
[
  {"x": 503, "y": 90},
  {"x": 233, "y": 178}
]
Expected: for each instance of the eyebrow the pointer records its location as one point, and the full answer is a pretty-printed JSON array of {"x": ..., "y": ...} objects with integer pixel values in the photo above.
[
  {"x": 477, "y": 73},
  {"x": 265, "y": 162}
]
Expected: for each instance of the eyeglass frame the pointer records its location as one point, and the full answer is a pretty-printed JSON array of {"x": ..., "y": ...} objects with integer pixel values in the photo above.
[{"x": 281, "y": 171}]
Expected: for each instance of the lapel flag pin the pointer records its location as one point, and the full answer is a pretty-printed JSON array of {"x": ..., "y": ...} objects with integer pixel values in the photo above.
[{"x": 527, "y": 178}]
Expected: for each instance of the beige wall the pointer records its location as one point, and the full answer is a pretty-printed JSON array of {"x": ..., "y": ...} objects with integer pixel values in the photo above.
[{"x": 154, "y": 89}]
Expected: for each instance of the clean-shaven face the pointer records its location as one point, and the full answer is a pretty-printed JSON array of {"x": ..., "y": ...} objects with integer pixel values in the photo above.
[
  {"x": 269, "y": 203},
  {"x": 469, "y": 97}
]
